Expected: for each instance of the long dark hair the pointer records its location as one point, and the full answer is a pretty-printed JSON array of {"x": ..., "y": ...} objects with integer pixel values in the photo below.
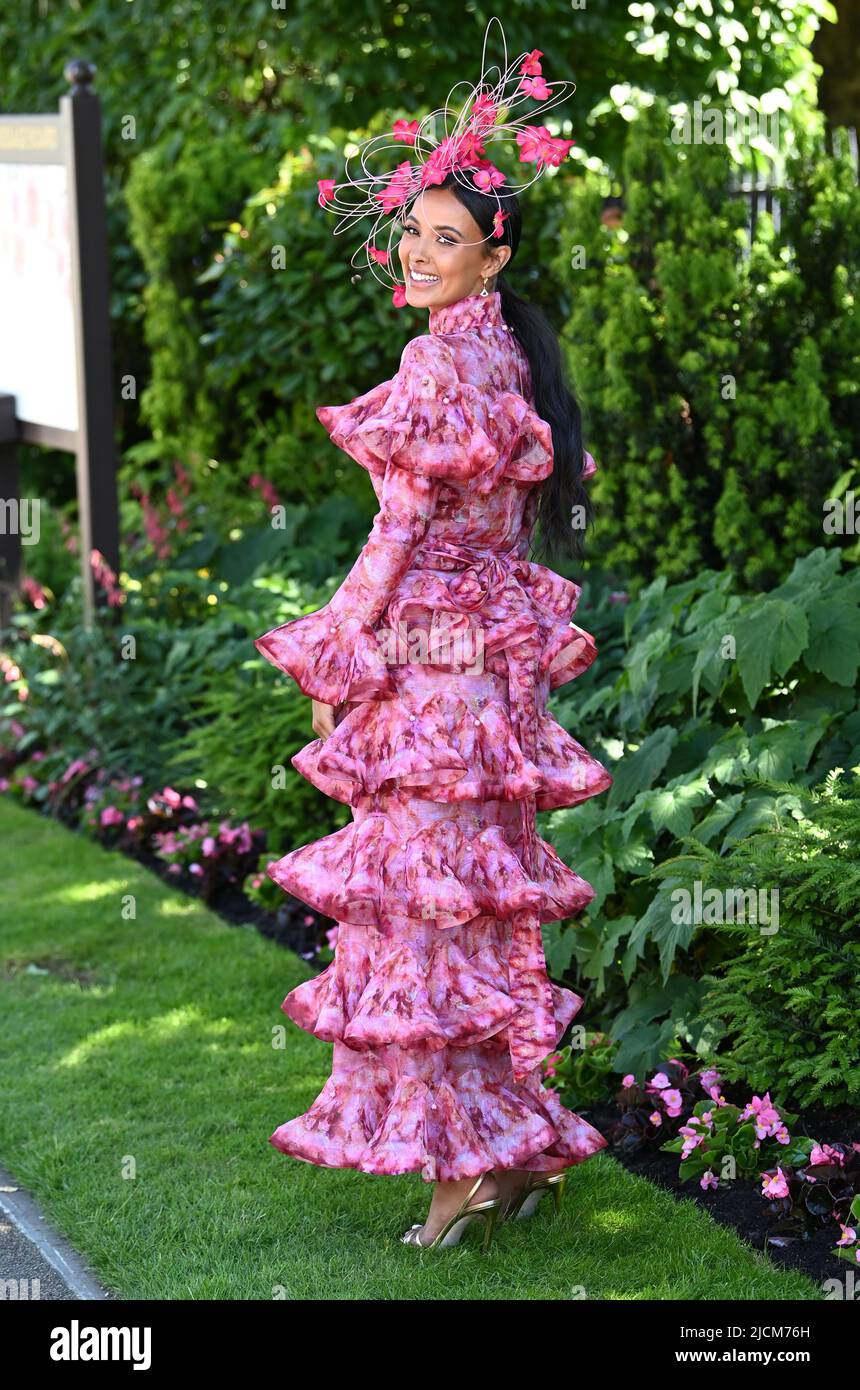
[{"x": 554, "y": 401}]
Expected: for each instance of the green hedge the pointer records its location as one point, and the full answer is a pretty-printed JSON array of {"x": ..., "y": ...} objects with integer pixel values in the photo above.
[{"x": 722, "y": 389}]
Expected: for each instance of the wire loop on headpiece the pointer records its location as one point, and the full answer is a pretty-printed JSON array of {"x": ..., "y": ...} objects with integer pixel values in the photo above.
[{"x": 483, "y": 119}]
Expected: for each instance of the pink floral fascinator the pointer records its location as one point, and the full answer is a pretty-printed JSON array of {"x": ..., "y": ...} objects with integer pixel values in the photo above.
[{"x": 471, "y": 128}]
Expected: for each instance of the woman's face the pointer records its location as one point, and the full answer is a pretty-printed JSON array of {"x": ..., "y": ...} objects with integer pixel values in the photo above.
[{"x": 442, "y": 240}]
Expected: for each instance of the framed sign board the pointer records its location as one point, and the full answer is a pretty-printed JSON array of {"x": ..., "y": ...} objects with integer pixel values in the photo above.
[{"x": 55, "y": 339}]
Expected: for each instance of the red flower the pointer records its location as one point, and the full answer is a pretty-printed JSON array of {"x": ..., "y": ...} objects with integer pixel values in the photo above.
[
  {"x": 405, "y": 131},
  {"x": 531, "y": 64},
  {"x": 536, "y": 143}
]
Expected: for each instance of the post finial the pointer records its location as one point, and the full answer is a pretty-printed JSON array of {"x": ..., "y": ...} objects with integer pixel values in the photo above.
[{"x": 79, "y": 74}]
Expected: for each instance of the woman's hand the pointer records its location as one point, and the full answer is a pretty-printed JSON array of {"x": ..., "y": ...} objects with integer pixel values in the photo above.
[{"x": 323, "y": 719}]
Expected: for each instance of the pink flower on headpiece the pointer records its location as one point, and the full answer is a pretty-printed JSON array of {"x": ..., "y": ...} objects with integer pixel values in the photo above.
[
  {"x": 398, "y": 298},
  {"x": 531, "y": 64},
  {"x": 440, "y": 163},
  {"x": 535, "y": 87},
  {"x": 487, "y": 176},
  {"x": 539, "y": 145},
  {"x": 326, "y": 189},
  {"x": 405, "y": 131},
  {"x": 498, "y": 219},
  {"x": 484, "y": 113},
  {"x": 469, "y": 149},
  {"x": 380, "y": 256},
  {"x": 398, "y": 188}
]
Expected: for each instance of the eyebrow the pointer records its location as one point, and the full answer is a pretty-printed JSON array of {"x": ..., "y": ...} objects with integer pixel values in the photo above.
[{"x": 442, "y": 228}]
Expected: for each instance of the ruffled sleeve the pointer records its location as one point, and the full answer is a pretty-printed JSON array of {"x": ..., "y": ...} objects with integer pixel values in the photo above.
[
  {"x": 428, "y": 421},
  {"x": 333, "y": 654}
]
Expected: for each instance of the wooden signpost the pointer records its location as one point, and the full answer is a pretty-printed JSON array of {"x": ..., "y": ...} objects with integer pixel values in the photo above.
[{"x": 56, "y": 386}]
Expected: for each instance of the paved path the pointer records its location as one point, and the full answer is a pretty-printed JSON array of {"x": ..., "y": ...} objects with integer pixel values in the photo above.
[{"x": 30, "y": 1250}]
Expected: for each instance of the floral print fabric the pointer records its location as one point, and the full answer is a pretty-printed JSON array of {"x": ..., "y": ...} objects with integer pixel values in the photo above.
[{"x": 439, "y": 651}]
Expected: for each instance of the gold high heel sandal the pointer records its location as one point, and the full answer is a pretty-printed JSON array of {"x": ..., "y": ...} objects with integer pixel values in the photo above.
[
  {"x": 454, "y": 1228},
  {"x": 524, "y": 1203}
]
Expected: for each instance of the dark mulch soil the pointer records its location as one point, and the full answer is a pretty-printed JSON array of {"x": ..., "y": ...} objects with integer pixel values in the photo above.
[
  {"x": 739, "y": 1204},
  {"x": 288, "y": 926}
]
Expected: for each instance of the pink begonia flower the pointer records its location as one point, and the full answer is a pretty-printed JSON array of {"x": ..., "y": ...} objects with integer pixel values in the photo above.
[
  {"x": 782, "y": 1135},
  {"x": 535, "y": 87},
  {"x": 707, "y": 1118},
  {"x": 208, "y": 846},
  {"x": 849, "y": 1235},
  {"x": 767, "y": 1118},
  {"x": 628, "y": 1080},
  {"x": 539, "y": 146},
  {"x": 826, "y": 1154},
  {"x": 29, "y": 784},
  {"x": 655, "y": 1117},
  {"x": 775, "y": 1185},
  {"x": 405, "y": 131},
  {"x": 326, "y": 189},
  {"x": 674, "y": 1102},
  {"x": 659, "y": 1081},
  {"x": 174, "y": 869},
  {"x": 37, "y": 757},
  {"x": 195, "y": 869},
  {"x": 4, "y": 784},
  {"x": 256, "y": 880},
  {"x": 171, "y": 797},
  {"x": 531, "y": 63},
  {"x": 134, "y": 822},
  {"x": 709, "y": 1179},
  {"x": 111, "y": 816}
]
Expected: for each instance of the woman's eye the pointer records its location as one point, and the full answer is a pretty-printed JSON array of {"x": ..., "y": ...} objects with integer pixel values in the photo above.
[{"x": 445, "y": 240}]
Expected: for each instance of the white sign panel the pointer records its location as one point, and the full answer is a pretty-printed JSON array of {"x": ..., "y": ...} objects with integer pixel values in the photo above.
[{"x": 37, "y": 329}]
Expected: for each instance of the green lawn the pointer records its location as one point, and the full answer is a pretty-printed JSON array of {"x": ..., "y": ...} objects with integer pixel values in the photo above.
[{"x": 139, "y": 1087}]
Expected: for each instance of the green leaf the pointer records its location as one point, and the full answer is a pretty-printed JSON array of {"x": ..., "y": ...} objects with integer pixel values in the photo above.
[
  {"x": 638, "y": 771},
  {"x": 672, "y": 807},
  {"x": 772, "y": 634},
  {"x": 834, "y": 642}
]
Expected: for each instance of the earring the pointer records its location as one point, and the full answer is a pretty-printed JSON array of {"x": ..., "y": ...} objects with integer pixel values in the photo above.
[{"x": 484, "y": 291}]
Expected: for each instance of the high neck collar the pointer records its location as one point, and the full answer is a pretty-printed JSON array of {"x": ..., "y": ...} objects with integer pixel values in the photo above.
[{"x": 473, "y": 311}]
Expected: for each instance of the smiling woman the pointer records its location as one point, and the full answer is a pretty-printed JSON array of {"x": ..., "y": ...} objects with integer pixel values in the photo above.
[{"x": 438, "y": 1001}]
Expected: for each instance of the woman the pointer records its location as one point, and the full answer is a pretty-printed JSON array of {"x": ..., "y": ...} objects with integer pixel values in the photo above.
[{"x": 429, "y": 671}]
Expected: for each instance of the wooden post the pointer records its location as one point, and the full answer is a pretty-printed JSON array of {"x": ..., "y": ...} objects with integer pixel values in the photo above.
[{"x": 80, "y": 112}]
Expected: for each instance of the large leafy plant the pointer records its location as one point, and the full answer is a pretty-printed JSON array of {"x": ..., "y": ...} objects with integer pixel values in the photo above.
[{"x": 718, "y": 690}]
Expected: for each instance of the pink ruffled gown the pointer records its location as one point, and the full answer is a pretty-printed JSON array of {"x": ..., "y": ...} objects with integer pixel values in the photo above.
[{"x": 441, "y": 646}]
